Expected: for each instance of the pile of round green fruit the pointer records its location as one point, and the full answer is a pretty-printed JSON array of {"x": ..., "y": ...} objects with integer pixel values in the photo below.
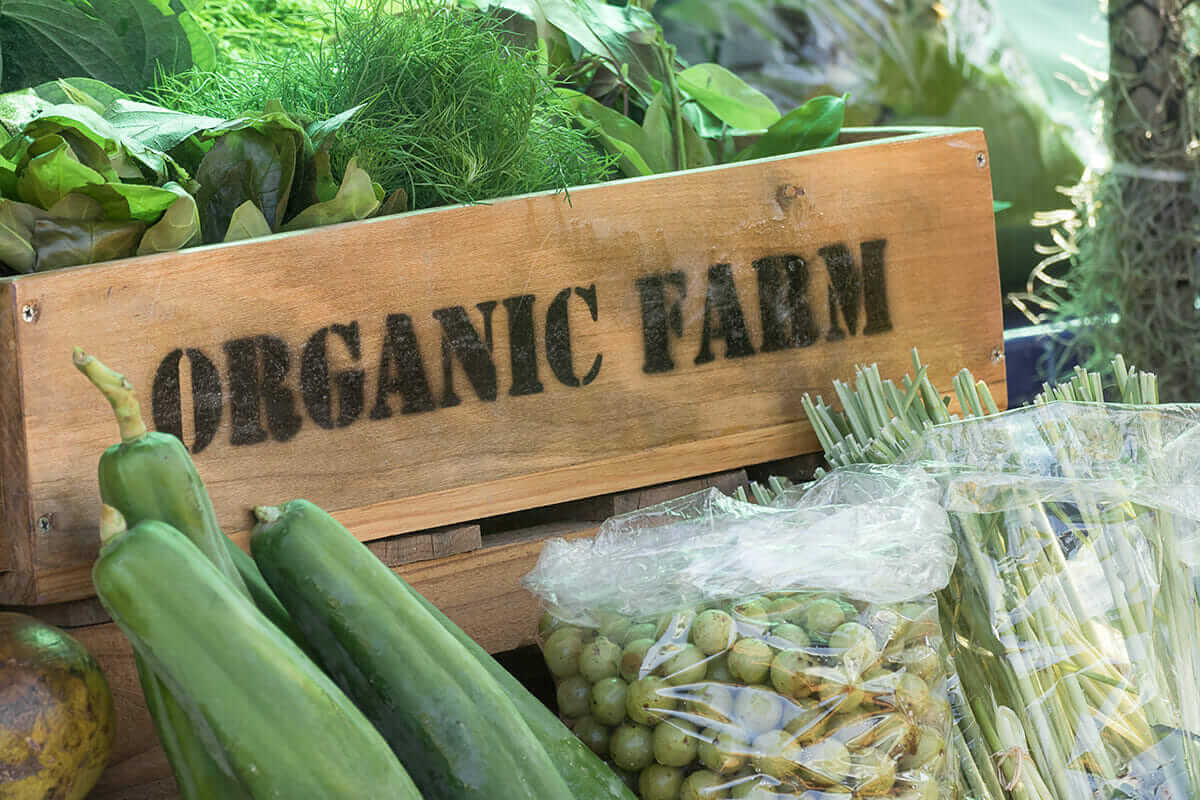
[{"x": 788, "y": 695}]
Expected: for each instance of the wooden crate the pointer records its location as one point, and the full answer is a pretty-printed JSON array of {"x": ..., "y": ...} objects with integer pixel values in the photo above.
[{"x": 423, "y": 370}]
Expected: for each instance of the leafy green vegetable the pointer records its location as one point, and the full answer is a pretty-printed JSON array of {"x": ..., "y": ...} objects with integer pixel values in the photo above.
[
  {"x": 51, "y": 175},
  {"x": 620, "y": 135},
  {"x": 16, "y": 234},
  {"x": 130, "y": 201},
  {"x": 79, "y": 185},
  {"x": 247, "y": 222},
  {"x": 356, "y": 198},
  {"x": 124, "y": 43},
  {"x": 452, "y": 112},
  {"x": 242, "y": 166},
  {"x": 156, "y": 127},
  {"x": 815, "y": 124},
  {"x": 728, "y": 97},
  {"x": 179, "y": 226},
  {"x": 677, "y": 117},
  {"x": 67, "y": 243}
]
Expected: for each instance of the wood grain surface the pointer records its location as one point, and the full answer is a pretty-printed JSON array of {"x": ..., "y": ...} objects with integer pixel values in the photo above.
[{"x": 913, "y": 216}]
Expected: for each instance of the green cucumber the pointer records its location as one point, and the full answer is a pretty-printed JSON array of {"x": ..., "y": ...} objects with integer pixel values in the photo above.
[
  {"x": 150, "y": 475},
  {"x": 263, "y": 597},
  {"x": 197, "y": 774},
  {"x": 280, "y": 725},
  {"x": 586, "y": 775},
  {"x": 458, "y": 733}
]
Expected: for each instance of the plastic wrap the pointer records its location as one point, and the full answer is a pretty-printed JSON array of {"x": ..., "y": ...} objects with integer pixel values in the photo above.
[
  {"x": 1075, "y": 603},
  {"x": 713, "y": 648}
]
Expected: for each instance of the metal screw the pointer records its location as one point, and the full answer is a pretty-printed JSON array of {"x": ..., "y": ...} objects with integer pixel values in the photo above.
[
  {"x": 30, "y": 312},
  {"x": 981, "y": 160},
  {"x": 45, "y": 523},
  {"x": 997, "y": 355}
]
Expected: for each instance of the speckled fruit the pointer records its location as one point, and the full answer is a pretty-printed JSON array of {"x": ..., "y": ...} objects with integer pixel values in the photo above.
[{"x": 56, "y": 713}]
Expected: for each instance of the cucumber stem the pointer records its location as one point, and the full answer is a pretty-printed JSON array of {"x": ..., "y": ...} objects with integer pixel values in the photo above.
[
  {"x": 118, "y": 391},
  {"x": 112, "y": 523},
  {"x": 268, "y": 514}
]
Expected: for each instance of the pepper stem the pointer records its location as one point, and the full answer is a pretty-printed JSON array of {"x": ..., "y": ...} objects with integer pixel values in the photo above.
[
  {"x": 268, "y": 514},
  {"x": 119, "y": 392},
  {"x": 112, "y": 523}
]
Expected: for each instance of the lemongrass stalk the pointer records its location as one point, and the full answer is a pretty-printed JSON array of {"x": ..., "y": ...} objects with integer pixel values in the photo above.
[
  {"x": 1023, "y": 783},
  {"x": 1031, "y": 695}
]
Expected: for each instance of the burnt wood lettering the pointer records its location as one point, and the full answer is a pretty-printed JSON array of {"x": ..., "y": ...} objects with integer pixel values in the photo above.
[
  {"x": 787, "y": 318},
  {"x": 459, "y": 338},
  {"x": 258, "y": 367},
  {"x": 166, "y": 398},
  {"x": 267, "y": 403},
  {"x": 848, "y": 288},
  {"x": 401, "y": 370},
  {"x": 522, "y": 346},
  {"x": 558, "y": 337},
  {"x": 660, "y": 317},
  {"x": 730, "y": 325},
  {"x": 241, "y": 357},
  {"x": 316, "y": 389}
]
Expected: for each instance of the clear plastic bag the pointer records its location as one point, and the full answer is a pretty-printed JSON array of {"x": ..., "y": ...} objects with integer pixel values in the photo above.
[
  {"x": 1075, "y": 605},
  {"x": 711, "y": 648}
]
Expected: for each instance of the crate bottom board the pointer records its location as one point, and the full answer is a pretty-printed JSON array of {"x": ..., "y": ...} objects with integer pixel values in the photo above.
[{"x": 479, "y": 590}]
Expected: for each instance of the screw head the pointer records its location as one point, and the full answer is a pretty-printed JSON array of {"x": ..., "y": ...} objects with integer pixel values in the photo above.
[
  {"x": 45, "y": 523},
  {"x": 981, "y": 159},
  {"x": 997, "y": 355},
  {"x": 30, "y": 312}
]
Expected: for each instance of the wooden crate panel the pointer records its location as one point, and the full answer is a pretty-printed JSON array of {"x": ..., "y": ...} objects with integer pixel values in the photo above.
[{"x": 419, "y": 371}]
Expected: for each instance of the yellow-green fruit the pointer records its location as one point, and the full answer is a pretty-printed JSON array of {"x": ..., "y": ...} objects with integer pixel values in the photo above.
[{"x": 56, "y": 713}]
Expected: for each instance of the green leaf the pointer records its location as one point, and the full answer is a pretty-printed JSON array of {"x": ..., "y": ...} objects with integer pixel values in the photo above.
[
  {"x": 255, "y": 161},
  {"x": 120, "y": 42},
  {"x": 125, "y": 201},
  {"x": 51, "y": 175},
  {"x": 122, "y": 153},
  {"x": 619, "y": 35},
  {"x": 320, "y": 132},
  {"x": 18, "y": 109},
  {"x": 156, "y": 127},
  {"x": 700, "y": 151},
  {"x": 728, "y": 97},
  {"x": 178, "y": 228},
  {"x": 16, "y": 235},
  {"x": 41, "y": 40},
  {"x": 64, "y": 243},
  {"x": 203, "y": 48},
  {"x": 326, "y": 187},
  {"x": 76, "y": 207},
  {"x": 659, "y": 149},
  {"x": 355, "y": 199},
  {"x": 247, "y": 222},
  {"x": 815, "y": 124},
  {"x": 619, "y": 134},
  {"x": 93, "y": 94}
]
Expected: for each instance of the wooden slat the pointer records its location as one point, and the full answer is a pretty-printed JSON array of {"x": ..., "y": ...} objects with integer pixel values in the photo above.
[
  {"x": 926, "y": 196},
  {"x": 438, "y": 543},
  {"x": 16, "y": 522},
  {"x": 727, "y": 482}
]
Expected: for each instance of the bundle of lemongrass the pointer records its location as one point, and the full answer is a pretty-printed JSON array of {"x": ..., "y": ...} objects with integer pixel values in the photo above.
[{"x": 1073, "y": 612}]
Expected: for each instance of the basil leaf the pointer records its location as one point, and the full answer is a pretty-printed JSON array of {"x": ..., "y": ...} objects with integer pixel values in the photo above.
[
  {"x": 728, "y": 97},
  {"x": 815, "y": 124}
]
